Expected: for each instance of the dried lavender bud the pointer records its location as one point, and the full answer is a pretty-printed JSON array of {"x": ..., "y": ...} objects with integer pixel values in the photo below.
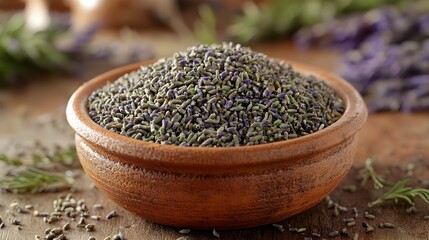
[
  {"x": 111, "y": 215},
  {"x": 16, "y": 222},
  {"x": 342, "y": 209},
  {"x": 386, "y": 225},
  {"x": 350, "y": 188},
  {"x": 369, "y": 229},
  {"x": 28, "y": 206},
  {"x": 349, "y": 224},
  {"x": 279, "y": 227},
  {"x": 56, "y": 231},
  {"x": 21, "y": 210},
  {"x": 215, "y": 96},
  {"x": 336, "y": 212},
  {"x": 185, "y": 231},
  {"x": 330, "y": 204},
  {"x": 89, "y": 227},
  {"x": 215, "y": 233},
  {"x": 66, "y": 227},
  {"x": 369, "y": 216},
  {"x": 98, "y": 206},
  {"x": 333, "y": 234},
  {"x": 183, "y": 238},
  {"x": 355, "y": 212},
  {"x": 347, "y": 220},
  {"x": 13, "y": 205}
]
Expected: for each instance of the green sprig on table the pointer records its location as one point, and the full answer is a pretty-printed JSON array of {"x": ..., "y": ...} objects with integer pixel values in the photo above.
[
  {"x": 400, "y": 191},
  {"x": 397, "y": 191},
  {"x": 28, "y": 177},
  {"x": 33, "y": 180},
  {"x": 369, "y": 173}
]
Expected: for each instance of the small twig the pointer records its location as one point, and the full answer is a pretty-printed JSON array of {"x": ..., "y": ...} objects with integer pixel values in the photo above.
[{"x": 369, "y": 173}]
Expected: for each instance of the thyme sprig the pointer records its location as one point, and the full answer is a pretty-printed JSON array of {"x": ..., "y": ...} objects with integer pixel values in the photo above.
[
  {"x": 401, "y": 191},
  {"x": 29, "y": 177},
  {"x": 33, "y": 180},
  {"x": 369, "y": 173}
]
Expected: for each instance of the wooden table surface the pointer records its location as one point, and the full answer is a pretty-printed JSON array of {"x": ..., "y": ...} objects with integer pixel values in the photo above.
[{"x": 395, "y": 139}]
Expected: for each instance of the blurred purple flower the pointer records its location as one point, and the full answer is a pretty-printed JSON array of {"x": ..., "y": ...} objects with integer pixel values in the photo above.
[{"x": 386, "y": 55}]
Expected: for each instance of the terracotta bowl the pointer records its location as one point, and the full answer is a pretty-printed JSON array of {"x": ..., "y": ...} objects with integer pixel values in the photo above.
[{"x": 224, "y": 187}]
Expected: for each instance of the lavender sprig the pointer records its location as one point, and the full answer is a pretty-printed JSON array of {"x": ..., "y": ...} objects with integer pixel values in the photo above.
[
  {"x": 401, "y": 192},
  {"x": 33, "y": 180},
  {"x": 386, "y": 54}
]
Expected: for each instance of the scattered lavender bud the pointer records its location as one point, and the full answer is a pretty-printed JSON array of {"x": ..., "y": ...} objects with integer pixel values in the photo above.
[
  {"x": 111, "y": 215},
  {"x": 215, "y": 233},
  {"x": 185, "y": 231},
  {"x": 350, "y": 188},
  {"x": 333, "y": 234},
  {"x": 369, "y": 216},
  {"x": 345, "y": 232},
  {"x": 279, "y": 227}
]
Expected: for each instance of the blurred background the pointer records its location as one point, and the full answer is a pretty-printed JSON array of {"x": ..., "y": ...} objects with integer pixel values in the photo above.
[{"x": 50, "y": 47}]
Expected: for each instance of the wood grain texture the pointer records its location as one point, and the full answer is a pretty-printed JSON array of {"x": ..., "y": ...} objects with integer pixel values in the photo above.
[{"x": 393, "y": 138}]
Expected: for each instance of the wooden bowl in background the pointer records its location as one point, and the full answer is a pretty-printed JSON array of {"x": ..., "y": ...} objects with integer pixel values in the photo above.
[{"x": 223, "y": 187}]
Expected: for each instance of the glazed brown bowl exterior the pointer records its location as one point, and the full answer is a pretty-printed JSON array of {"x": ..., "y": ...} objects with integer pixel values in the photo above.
[{"x": 222, "y": 187}]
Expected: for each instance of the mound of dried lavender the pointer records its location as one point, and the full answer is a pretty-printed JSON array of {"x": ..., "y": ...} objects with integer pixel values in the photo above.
[{"x": 215, "y": 95}]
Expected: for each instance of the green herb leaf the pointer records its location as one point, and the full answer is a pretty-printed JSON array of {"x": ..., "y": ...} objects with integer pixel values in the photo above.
[
  {"x": 401, "y": 191},
  {"x": 33, "y": 180}
]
